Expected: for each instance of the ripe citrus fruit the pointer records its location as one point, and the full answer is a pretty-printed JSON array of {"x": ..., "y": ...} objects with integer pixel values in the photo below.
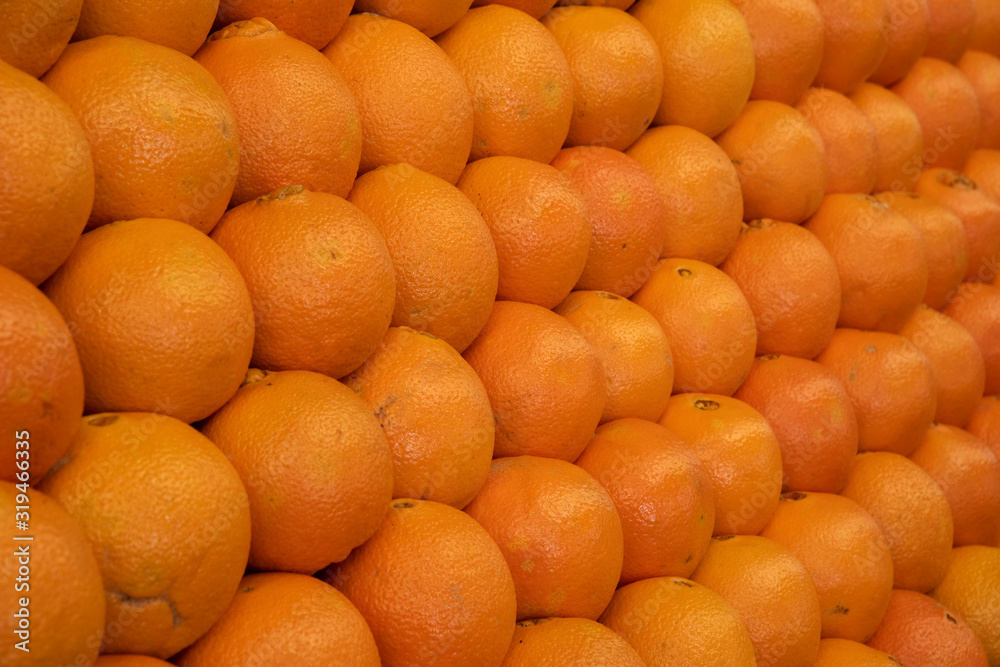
[
  {"x": 559, "y": 532},
  {"x": 298, "y": 122},
  {"x": 983, "y": 168},
  {"x": 161, "y": 130},
  {"x": 977, "y": 308},
  {"x": 906, "y": 35},
  {"x": 129, "y": 660},
  {"x": 442, "y": 252},
  {"x": 160, "y": 316},
  {"x": 986, "y": 28},
  {"x": 663, "y": 494},
  {"x": 435, "y": 412},
  {"x": 812, "y": 417},
  {"x": 849, "y": 139},
  {"x": 413, "y": 101},
  {"x": 898, "y": 136},
  {"x": 985, "y": 423},
  {"x": 183, "y": 26},
  {"x": 315, "y": 22},
  {"x": 312, "y": 625},
  {"x": 854, "y": 42},
  {"x": 529, "y": 360},
  {"x": 835, "y": 652},
  {"x": 37, "y": 34},
  {"x": 430, "y": 17},
  {"x": 320, "y": 276},
  {"x": 555, "y": 642},
  {"x": 405, "y": 579},
  {"x": 47, "y": 184},
  {"x": 951, "y": 23},
  {"x": 740, "y": 452},
  {"x": 173, "y": 530},
  {"x": 983, "y": 72},
  {"x": 971, "y": 589}
]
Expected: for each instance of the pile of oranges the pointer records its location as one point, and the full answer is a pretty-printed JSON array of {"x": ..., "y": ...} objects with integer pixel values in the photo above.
[{"x": 469, "y": 333}]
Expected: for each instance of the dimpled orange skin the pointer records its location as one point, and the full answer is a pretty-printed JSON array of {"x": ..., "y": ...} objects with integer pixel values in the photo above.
[
  {"x": 530, "y": 360},
  {"x": 845, "y": 553},
  {"x": 432, "y": 584},
  {"x": 315, "y": 22},
  {"x": 880, "y": 258},
  {"x": 891, "y": 386},
  {"x": 674, "y": 621},
  {"x": 708, "y": 61},
  {"x": 971, "y": 588},
  {"x": 848, "y": 137},
  {"x": 976, "y": 307},
  {"x": 182, "y": 26},
  {"x": 162, "y": 133},
  {"x": 907, "y": 33},
  {"x": 983, "y": 72},
  {"x": 291, "y": 619},
  {"x": 30, "y": 47},
  {"x": 700, "y": 190},
  {"x": 952, "y": 24},
  {"x": 297, "y": 124},
  {"x": 955, "y": 360},
  {"x": 320, "y": 277},
  {"x": 791, "y": 284},
  {"x": 834, "y": 652},
  {"x": 430, "y": 17},
  {"x": 129, "y": 660},
  {"x": 780, "y": 160},
  {"x": 664, "y": 496},
  {"x": 986, "y": 29},
  {"x": 617, "y": 74},
  {"x": 47, "y": 183},
  {"x": 522, "y": 106},
  {"x": 983, "y": 167},
  {"x": 559, "y": 532},
  {"x": 160, "y": 316},
  {"x": 708, "y": 322},
  {"x": 442, "y": 251},
  {"x": 985, "y": 423},
  {"x": 944, "y": 241},
  {"x": 854, "y": 42},
  {"x": 898, "y": 136},
  {"x": 413, "y": 101},
  {"x": 556, "y": 642},
  {"x": 633, "y": 350},
  {"x": 738, "y": 448}
]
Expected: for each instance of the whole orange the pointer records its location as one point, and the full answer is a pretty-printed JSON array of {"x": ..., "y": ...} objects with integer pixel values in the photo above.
[
  {"x": 554, "y": 642},
  {"x": 430, "y": 17},
  {"x": 848, "y": 136},
  {"x": 854, "y": 42},
  {"x": 976, "y": 307},
  {"x": 983, "y": 72},
  {"x": 900, "y": 140},
  {"x": 835, "y": 652},
  {"x": 971, "y": 588},
  {"x": 983, "y": 167},
  {"x": 952, "y": 24},
  {"x": 985, "y": 423},
  {"x": 907, "y": 33},
  {"x": 37, "y": 34},
  {"x": 315, "y": 22},
  {"x": 183, "y": 26}
]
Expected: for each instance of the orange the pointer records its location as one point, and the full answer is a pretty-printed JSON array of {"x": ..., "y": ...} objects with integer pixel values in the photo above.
[
  {"x": 559, "y": 532},
  {"x": 539, "y": 222},
  {"x": 969, "y": 474},
  {"x": 532, "y": 361},
  {"x": 912, "y": 512},
  {"x": 315, "y": 22},
  {"x": 160, "y": 316},
  {"x": 413, "y": 102},
  {"x": 848, "y": 136},
  {"x": 880, "y": 258},
  {"x": 787, "y": 38},
  {"x": 708, "y": 61},
  {"x": 952, "y": 24},
  {"x": 430, "y": 17},
  {"x": 633, "y": 350},
  {"x": 943, "y": 236},
  {"x": 986, "y": 28},
  {"x": 37, "y": 33},
  {"x": 433, "y": 587},
  {"x": 740, "y": 452},
  {"x": 442, "y": 252},
  {"x": 956, "y": 363},
  {"x": 906, "y": 34},
  {"x": 985, "y": 423},
  {"x": 303, "y": 129},
  {"x": 674, "y": 621},
  {"x": 435, "y": 412},
  {"x": 983, "y": 167},
  {"x": 286, "y": 619},
  {"x": 319, "y": 274},
  {"x": 854, "y": 42},
  {"x": 971, "y": 589},
  {"x": 771, "y": 591},
  {"x": 663, "y": 494},
  {"x": 42, "y": 383},
  {"x": 617, "y": 4},
  {"x": 626, "y": 215},
  {"x": 791, "y": 283},
  {"x": 708, "y": 322},
  {"x": 948, "y": 110},
  {"x": 183, "y": 26},
  {"x": 700, "y": 190},
  {"x": 521, "y": 84},
  {"x": 168, "y": 521},
  {"x": 891, "y": 385},
  {"x": 53, "y": 610},
  {"x": 533, "y": 8},
  {"x": 162, "y": 133},
  {"x": 46, "y": 176},
  {"x": 844, "y": 552},
  {"x": 983, "y": 72},
  {"x": 835, "y": 652},
  {"x": 812, "y": 417},
  {"x": 555, "y": 642},
  {"x": 780, "y": 161},
  {"x": 919, "y": 631},
  {"x": 129, "y": 660},
  {"x": 898, "y": 136},
  {"x": 617, "y": 74},
  {"x": 977, "y": 308},
  {"x": 979, "y": 212},
  {"x": 315, "y": 463}
]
